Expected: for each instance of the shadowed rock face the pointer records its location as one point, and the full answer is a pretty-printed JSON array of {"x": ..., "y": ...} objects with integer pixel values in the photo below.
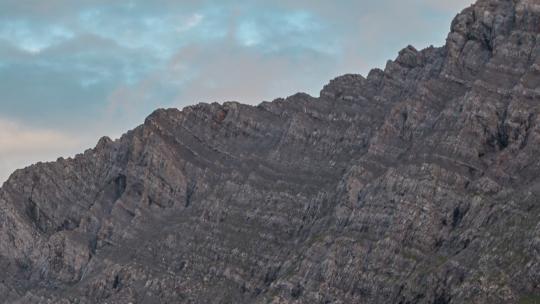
[{"x": 417, "y": 184}]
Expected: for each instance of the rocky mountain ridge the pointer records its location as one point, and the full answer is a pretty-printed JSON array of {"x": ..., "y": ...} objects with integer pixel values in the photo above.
[{"x": 416, "y": 184}]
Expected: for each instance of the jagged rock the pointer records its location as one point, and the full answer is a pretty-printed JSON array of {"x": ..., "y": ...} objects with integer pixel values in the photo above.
[{"x": 417, "y": 184}]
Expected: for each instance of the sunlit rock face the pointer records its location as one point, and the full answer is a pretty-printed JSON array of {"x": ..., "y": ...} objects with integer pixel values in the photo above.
[{"x": 416, "y": 184}]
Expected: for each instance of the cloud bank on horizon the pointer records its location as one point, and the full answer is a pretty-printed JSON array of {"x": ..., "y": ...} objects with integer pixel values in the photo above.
[{"x": 72, "y": 71}]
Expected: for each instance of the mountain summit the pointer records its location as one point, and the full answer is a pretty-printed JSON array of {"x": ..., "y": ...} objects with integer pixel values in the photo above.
[{"x": 416, "y": 184}]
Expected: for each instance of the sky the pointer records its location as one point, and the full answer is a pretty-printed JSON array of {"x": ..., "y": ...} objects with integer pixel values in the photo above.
[{"x": 73, "y": 71}]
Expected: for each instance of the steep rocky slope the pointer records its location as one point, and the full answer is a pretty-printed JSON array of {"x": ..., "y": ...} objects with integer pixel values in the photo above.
[{"x": 417, "y": 184}]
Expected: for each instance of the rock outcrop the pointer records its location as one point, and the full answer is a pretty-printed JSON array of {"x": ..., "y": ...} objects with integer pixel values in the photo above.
[{"x": 416, "y": 184}]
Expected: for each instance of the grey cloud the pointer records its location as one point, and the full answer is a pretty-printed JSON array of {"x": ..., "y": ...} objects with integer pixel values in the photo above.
[
  {"x": 124, "y": 60},
  {"x": 21, "y": 145}
]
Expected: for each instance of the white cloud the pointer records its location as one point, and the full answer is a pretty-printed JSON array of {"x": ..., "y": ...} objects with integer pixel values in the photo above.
[
  {"x": 21, "y": 146},
  {"x": 98, "y": 67},
  {"x": 190, "y": 23},
  {"x": 33, "y": 40}
]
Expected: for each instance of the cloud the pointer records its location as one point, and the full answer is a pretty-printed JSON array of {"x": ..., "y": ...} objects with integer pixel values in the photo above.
[
  {"x": 247, "y": 75},
  {"x": 33, "y": 40},
  {"x": 98, "y": 67},
  {"x": 260, "y": 56},
  {"x": 21, "y": 146},
  {"x": 190, "y": 23},
  {"x": 16, "y": 138},
  {"x": 271, "y": 50}
]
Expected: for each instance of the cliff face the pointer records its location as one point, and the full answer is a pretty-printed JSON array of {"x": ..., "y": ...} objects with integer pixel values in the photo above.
[{"x": 417, "y": 184}]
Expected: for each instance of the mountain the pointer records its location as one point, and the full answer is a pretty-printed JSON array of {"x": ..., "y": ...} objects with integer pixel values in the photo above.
[{"x": 416, "y": 184}]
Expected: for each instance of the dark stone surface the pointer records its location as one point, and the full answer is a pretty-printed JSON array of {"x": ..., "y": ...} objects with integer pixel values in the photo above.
[{"x": 417, "y": 184}]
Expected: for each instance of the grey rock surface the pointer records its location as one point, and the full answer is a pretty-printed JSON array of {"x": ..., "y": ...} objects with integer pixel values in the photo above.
[{"x": 417, "y": 184}]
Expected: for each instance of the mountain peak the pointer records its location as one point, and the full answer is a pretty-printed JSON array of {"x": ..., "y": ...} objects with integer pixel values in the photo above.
[{"x": 416, "y": 184}]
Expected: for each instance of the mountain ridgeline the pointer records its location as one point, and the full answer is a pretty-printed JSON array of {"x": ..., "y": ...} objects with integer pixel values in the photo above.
[{"x": 419, "y": 183}]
